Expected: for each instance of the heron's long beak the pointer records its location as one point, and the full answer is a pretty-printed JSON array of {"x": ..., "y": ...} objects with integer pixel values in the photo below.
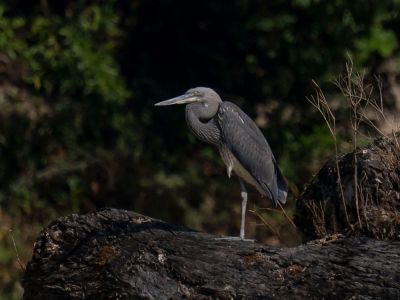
[{"x": 184, "y": 99}]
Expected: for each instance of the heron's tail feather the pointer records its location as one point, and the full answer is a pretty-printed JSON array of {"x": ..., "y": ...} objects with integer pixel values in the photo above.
[
  {"x": 282, "y": 195},
  {"x": 276, "y": 189}
]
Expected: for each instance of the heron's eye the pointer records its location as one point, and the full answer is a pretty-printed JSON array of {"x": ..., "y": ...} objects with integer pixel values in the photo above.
[{"x": 205, "y": 104}]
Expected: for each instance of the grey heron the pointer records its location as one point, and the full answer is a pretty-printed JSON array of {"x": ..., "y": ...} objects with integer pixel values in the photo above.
[{"x": 240, "y": 142}]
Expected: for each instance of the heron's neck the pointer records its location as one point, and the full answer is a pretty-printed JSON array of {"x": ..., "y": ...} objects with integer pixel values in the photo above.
[{"x": 207, "y": 131}]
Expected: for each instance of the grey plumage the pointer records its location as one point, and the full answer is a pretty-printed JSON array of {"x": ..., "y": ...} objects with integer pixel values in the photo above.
[
  {"x": 249, "y": 146},
  {"x": 241, "y": 144}
]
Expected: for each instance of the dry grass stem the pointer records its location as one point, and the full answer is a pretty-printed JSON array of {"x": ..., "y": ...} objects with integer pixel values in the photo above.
[
  {"x": 366, "y": 106},
  {"x": 266, "y": 223},
  {"x": 21, "y": 265},
  {"x": 286, "y": 215},
  {"x": 320, "y": 102}
]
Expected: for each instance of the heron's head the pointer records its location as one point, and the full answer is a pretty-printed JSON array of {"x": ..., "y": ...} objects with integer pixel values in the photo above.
[{"x": 202, "y": 95}]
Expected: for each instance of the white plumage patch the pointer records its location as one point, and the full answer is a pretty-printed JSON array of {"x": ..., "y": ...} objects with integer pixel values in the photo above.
[
  {"x": 232, "y": 164},
  {"x": 229, "y": 170}
]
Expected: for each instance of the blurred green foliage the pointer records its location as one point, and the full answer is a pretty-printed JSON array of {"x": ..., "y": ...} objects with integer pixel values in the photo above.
[{"x": 78, "y": 79}]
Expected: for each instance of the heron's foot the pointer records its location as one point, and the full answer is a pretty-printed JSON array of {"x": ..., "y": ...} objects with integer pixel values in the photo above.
[{"x": 234, "y": 238}]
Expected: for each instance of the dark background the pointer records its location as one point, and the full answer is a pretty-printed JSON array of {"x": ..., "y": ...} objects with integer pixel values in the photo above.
[{"x": 78, "y": 129}]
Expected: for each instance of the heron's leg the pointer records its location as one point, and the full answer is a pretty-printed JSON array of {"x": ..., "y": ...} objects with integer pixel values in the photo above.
[{"x": 243, "y": 193}]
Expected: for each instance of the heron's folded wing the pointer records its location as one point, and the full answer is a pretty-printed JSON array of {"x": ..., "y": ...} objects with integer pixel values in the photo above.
[{"x": 245, "y": 140}]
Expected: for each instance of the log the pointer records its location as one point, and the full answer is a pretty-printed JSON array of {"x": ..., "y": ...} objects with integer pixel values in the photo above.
[
  {"x": 117, "y": 254},
  {"x": 370, "y": 202}
]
